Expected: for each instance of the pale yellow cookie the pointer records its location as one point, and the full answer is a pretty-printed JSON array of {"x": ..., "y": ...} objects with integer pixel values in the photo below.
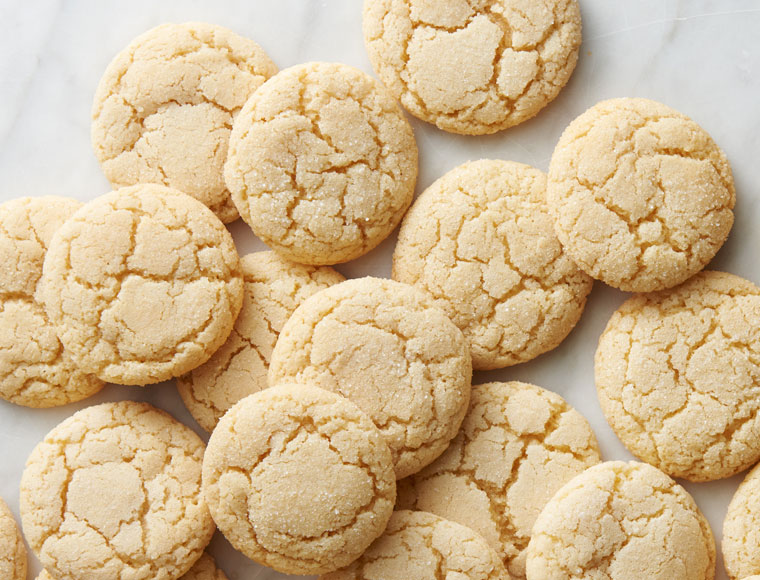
[
  {"x": 621, "y": 521},
  {"x": 642, "y": 196},
  {"x": 518, "y": 445},
  {"x": 473, "y": 66},
  {"x": 204, "y": 569},
  {"x": 114, "y": 492},
  {"x": 322, "y": 163},
  {"x": 298, "y": 479},
  {"x": 273, "y": 288},
  {"x": 481, "y": 241},
  {"x": 389, "y": 349},
  {"x": 741, "y": 529},
  {"x": 420, "y": 545},
  {"x": 35, "y": 369},
  {"x": 677, "y": 376},
  {"x": 12, "y": 548},
  {"x": 164, "y": 108},
  {"x": 143, "y": 284}
]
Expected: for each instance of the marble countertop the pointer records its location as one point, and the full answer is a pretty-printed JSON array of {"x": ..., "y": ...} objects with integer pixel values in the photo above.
[{"x": 701, "y": 57}]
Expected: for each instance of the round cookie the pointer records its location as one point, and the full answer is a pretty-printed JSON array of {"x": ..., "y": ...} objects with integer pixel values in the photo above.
[
  {"x": 116, "y": 488},
  {"x": 143, "y": 284},
  {"x": 621, "y": 521},
  {"x": 741, "y": 529},
  {"x": 678, "y": 376},
  {"x": 175, "y": 85},
  {"x": 423, "y": 545},
  {"x": 322, "y": 163},
  {"x": 298, "y": 479},
  {"x": 12, "y": 549},
  {"x": 273, "y": 288},
  {"x": 518, "y": 445},
  {"x": 473, "y": 66},
  {"x": 35, "y": 369},
  {"x": 385, "y": 346},
  {"x": 204, "y": 569},
  {"x": 641, "y": 195},
  {"x": 480, "y": 241}
]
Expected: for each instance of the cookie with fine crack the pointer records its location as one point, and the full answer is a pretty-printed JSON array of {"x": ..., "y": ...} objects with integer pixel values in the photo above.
[
  {"x": 518, "y": 445},
  {"x": 164, "y": 108},
  {"x": 678, "y": 376},
  {"x": 481, "y": 241},
  {"x": 322, "y": 163},
  {"x": 12, "y": 549},
  {"x": 298, "y": 479},
  {"x": 273, "y": 288},
  {"x": 473, "y": 66},
  {"x": 641, "y": 195},
  {"x": 741, "y": 530},
  {"x": 142, "y": 284},
  {"x": 35, "y": 369},
  {"x": 115, "y": 492},
  {"x": 388, "y": 348}
]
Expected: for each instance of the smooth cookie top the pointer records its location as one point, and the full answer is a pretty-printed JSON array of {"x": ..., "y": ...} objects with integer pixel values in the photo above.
[
  {"x": 641, "y": 195},
  {"x": 741, "y": 530},
  {"x": 12, "y": 549},
  {"x": 143, "y": 284},
  {"x": 174, "y": 85},
  {"x": 322, "y": 163},
  {"x": 677, "y": 376},
  {"x": 473, "y": 66},
  {"x": 481, "y": 241}
]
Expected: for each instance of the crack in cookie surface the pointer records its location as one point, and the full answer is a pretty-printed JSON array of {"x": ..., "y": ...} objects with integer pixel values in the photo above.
[
  {"x": 740, "y": 530},
  {"x": 13, "y": 559}
]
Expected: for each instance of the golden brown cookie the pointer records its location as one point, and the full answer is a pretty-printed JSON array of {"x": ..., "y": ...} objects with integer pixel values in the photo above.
[
  {"x": 143, "y": 284},
  {"x": 12, "y": 548},
  {"x": 481, "y": 241},
  {"x": 322, "y": 163},
  {"x": 741, "y": 530},
  {"x": 164, "y": 108},
  {"x": 298, "y": 479}
]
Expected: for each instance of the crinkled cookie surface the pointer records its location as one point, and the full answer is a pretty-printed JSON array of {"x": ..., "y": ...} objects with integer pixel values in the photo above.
[
  {"x": 13, "y": 560},
  {"x": 741, "y": 530}
]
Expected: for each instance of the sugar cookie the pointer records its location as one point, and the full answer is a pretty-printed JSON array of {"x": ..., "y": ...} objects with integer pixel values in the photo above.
[
  {"x": 677, "y": 376},
  {"x": 12, "y": 549},
  {"x": 143, "y": 284},
  {"x": 518, "y": 445},
  {"x": 298, "y": 479},
  {"x": 480, "y": 240},
  {"x": 163, "y": 110},
  {"x": 274, "y": 287},
  {"x": 322, "y": 163},
  {"x": 116, "y": 488},
  {"x": 423, "y": 545},
  {"x": 741, "y": 529},
  {"x": 389, "y": 349},
  {"x": 35, "y": 369},
  {"x": 473, "y": 67},
  {"x": 642, "y": 196},
  {"x": 621, "y": 521}
]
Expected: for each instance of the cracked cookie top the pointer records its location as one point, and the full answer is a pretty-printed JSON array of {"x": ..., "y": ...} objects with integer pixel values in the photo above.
[
  {"x": 678, "y": 376},
  {"x": 481, "y": 241},
  {"x": 176, "y": 85},
  {"x": 143, "y": 284},
  {"x": 273, "y": 288},
  {"x": 322, "y": 163},
  {"x": 12, "y": 549},
  {"x": 518, "y": 445},
  {"x": 741, "y": 530},
  {"x": 385, "y": 346},
  {"x": 114, "y": 492},
  {"x": 641, "y": 195},
  {"x": 299, "y": 479},
  {"x": 473, "y": 66},
  {"x": 621, "y": 521}
]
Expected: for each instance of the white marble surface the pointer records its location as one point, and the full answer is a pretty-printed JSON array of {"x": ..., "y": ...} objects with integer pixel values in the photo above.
[{"x": 699, "y": 56}]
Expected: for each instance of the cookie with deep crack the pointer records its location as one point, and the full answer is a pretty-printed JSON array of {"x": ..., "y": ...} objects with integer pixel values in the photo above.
[
  {"x": 115, "y": 492},
  {"x": 741, "y": 530},
  {"x": 299, "y": 479},
  {"x": 164, "y": 108},
  {"x": 12, "y": 549},
  {"x": 142, "y": 284},
  {"x": 621, "y": 521},
  {"x": 481, "y": 241},
  {"x": 423, "y": 545},
  {"x": 35, "y": 369},
  {"x": 388, "y": 348},
  {"x": 518, "y": 445},
  {"x": 473, "y": 66},
  {"x": 677, "y": 376},
  {"x": 641, "y": 195},
  {"x": 322, "y": 163},
  {"x": 273, "y": 288}
]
